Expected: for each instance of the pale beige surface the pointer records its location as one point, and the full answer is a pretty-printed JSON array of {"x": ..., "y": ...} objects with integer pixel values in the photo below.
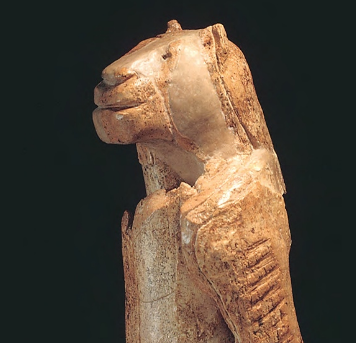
[{"x": 206, "y": 254}]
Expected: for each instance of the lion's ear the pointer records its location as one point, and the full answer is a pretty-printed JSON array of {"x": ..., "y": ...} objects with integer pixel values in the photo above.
[
  {"x": 221, "y": 43},
  {"x": 173, "y": 25},
  {"x": 220, "y": 37}
]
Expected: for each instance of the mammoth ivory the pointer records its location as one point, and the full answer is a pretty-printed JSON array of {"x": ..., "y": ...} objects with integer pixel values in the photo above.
[{"x": 206, "y": 253}]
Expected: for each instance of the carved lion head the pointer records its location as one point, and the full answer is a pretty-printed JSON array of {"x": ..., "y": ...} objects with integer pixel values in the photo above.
[{"x": 189, "y": 87}]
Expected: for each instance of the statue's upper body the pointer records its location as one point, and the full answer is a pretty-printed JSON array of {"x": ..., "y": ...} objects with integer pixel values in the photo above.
[
  {"x": 188, "y": 95},
  {"x": 187, "y": 99}
]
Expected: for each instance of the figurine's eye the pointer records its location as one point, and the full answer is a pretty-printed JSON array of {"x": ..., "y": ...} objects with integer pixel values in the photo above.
[{"x": 167, "y": 55}]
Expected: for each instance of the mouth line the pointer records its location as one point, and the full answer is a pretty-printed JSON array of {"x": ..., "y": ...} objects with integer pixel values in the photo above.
[{"x": 114, "y": 108}]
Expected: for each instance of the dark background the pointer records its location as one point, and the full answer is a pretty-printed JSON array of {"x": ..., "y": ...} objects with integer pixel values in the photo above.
[{"x": 295, "y": 52}]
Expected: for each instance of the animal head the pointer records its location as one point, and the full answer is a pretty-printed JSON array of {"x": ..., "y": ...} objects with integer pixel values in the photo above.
[{"x": 189, "y": 88}]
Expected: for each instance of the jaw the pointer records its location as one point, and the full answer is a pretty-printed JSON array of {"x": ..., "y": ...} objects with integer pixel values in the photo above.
[
  {"x": 117, "y": 126},
  {"x": 129, "y": 112}
]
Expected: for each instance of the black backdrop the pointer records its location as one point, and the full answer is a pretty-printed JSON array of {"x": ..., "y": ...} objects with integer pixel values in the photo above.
[{"x": 291, "y": 49}]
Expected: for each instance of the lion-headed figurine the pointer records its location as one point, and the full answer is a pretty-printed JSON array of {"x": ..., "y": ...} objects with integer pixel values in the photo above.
[{"x": 206, "y": 257}]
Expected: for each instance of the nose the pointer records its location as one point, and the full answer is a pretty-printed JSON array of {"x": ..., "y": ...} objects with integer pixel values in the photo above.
[{"x": 114, "y": 75}]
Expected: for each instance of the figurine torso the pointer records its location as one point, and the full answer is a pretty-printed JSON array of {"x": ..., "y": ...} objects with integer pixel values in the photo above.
[{"x": 205, "y": 267}]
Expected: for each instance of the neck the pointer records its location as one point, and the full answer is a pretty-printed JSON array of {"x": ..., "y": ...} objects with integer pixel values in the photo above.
[
  {"x": 165, "y": 164},
  {"x": 174, "y": 161}
]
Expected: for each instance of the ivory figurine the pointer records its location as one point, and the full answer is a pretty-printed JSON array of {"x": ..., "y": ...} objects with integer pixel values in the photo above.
[{"x": 206, "y": 254}]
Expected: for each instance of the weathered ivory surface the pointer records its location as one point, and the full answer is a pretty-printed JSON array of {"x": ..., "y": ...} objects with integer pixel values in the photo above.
[{"x": 206, "y": 253}]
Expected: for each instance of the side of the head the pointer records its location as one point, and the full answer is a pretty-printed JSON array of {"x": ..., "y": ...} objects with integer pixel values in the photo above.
[{"x": 233, "y": 80}]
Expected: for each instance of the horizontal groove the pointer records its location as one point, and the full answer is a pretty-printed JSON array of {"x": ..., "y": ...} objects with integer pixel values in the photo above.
[
  {"x": 276, "y": 303},
  {"x": 258, "y": 255},
  {"x": 264, "y": 290},
  {"x": 262, "y": 274},
  {"x": 157, "y": 299},
  {"x": 256, "y": 244}
]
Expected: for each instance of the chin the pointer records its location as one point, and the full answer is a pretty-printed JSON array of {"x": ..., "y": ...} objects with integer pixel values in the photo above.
[{"x": 110, "y": 130}]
